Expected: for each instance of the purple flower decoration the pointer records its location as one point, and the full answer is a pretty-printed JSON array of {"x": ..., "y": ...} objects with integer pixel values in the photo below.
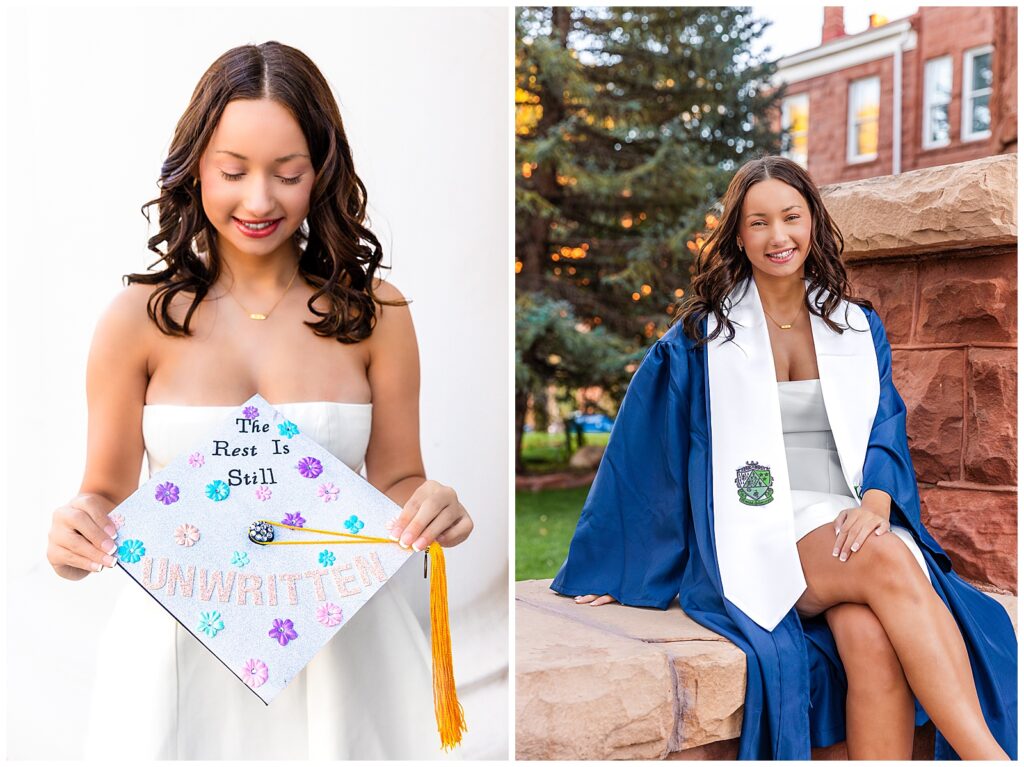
[
  {"x": 309, "y": 467},
  {"x": 295, "y": 520},
  {"x": 250, "y": 413},
  {"x": 329, "y": 614},
  {"x": 263, "y": 493},
  {"x": 167, "y": 493},
  {"x": 328, "y": 491},
  {"x": 255, "y": 672},
  {"x": 196, "y": 460},
  {"x": 283, "y": 631}
]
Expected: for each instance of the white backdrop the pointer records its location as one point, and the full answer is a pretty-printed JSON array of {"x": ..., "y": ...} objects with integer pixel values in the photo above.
[{"x": 92, "y": 100}]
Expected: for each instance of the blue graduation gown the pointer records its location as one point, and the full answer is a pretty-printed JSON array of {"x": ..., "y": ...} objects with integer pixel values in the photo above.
[{"x": 646, "y": 534}]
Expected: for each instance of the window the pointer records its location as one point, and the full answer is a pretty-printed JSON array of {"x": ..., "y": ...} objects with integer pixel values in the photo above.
[
  {"x": 795, "y": 112},
  {"x": 862, "y": 122},
  {"x": 938, "y": 92},
  {"x": 977, "y": 120}
]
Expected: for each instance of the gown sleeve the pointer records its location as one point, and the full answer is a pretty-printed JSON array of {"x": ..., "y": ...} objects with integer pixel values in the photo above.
[
  {"x": 887, "y": 464},
  {"x": 631, "y": 540}
]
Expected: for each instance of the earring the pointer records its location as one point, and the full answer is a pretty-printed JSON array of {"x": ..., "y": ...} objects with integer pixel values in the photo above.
[{"x": 195, "y": 183}]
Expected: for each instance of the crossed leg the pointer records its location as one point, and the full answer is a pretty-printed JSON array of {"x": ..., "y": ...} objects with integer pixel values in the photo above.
[
  {"x": 879, "y": 703},
  {"x": 885, "y": 577}
]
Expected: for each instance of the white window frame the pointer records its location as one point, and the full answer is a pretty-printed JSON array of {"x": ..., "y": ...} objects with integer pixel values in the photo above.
[
  {"x": 929, "y": 102},
  {"x": 968, "y": 94},
  {"x": 851, "y": 136},
  {"x": 786, "y": 122}
]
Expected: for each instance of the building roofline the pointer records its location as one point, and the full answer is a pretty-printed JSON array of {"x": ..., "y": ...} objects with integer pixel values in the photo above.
[{"x": 845, "y": 52}]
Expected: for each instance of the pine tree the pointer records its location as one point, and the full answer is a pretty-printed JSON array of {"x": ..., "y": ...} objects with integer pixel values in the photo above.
[{"x": 629, "y": 124}]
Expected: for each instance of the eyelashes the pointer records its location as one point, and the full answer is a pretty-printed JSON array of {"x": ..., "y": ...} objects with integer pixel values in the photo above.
[
  {"x": 787, "y": 219},
  {"x": 236, "y": 176}
]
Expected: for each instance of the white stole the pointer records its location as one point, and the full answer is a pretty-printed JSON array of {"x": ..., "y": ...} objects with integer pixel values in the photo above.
[{"x": 753, "y": 504}]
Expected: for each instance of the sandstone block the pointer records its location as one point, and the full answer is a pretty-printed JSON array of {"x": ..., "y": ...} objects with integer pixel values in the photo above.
[
  {"x": 978, "y": 530},
  {"x": 964, "y": 300},
  {"x": 712, "y": 682},
  {"x": 931, "y": 385},
  {"x": 990, "y": 455},
  {"x": 586, "y": 694},
  {"x": 969, "y": 204},
  {"x": 891, "y": 289},
  {"x": 648, "y": 624}
]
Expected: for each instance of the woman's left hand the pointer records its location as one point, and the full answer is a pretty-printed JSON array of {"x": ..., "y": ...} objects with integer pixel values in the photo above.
[
  {"x": 432, "y": 513},
  {"x": 853, "y": 526}
]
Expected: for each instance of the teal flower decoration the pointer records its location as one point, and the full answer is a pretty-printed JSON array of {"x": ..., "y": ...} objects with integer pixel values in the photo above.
[
  {"x": 240, "y": 559},
  {"x": 326, "y": 558},
  {"x": 353, "y": 524},
  {"x": 287, "y": 429},
  {"x": 210, "y": 623},
  {"x": 131, "y": 551},
  {"x": 217, "y": 490}
]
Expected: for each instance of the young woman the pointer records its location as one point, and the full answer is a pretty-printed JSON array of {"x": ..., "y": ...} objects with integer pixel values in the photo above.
[
  {"x": 269, "y": 284},
  {"x": 757, "y": 466}
]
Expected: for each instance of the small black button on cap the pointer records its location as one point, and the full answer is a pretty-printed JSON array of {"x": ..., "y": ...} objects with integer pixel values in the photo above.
[{"x": 261, "y": 532}]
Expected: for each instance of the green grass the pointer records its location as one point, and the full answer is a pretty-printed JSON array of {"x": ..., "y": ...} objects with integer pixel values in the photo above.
[
  {"x": 545, "y": 453},
  {"x": 545, "y": 522}
]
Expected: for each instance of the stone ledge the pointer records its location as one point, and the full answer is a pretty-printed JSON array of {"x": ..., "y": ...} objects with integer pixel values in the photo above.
[
  {"x": 649, "y": 684},
  {"x": 970, "y": 205}
]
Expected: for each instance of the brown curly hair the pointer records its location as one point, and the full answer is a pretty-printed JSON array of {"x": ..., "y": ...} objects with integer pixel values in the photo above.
[
  {"x": 721, "y": 265},
  {"x": 339, "y": 254}
]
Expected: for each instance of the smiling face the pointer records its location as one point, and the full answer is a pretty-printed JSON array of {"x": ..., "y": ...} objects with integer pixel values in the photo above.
[
  {"x": 775, "y": 229},
  {"x": 256, "y": 169}
]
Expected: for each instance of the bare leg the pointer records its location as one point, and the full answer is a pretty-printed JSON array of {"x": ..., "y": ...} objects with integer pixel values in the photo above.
[
  {"x": 927, "y": 641},
  {"x": 879, "y": 704}
]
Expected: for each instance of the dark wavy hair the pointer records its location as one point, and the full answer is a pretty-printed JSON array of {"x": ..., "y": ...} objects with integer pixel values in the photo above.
[
  {"x": 721, "y": 265},
  {"x": 339, "y": 254}
]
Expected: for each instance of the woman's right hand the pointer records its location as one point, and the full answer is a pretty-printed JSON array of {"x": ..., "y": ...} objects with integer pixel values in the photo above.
[
  {"x": 81, "y": 538},
  {"x": 593, "y": 600}
]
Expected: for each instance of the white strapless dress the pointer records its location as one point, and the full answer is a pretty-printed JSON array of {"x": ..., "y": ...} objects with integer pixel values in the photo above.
[
  {"x": 366, "y": 695},
  {"x": 816, "y": 478}
]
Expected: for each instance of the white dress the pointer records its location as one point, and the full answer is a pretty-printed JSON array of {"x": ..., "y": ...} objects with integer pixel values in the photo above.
[
  {"x": 367, "y": 694},
  {"x": 815, "y": 473}
]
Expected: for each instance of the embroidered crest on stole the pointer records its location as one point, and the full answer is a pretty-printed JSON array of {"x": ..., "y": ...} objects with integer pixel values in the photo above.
[{"x": 755, "y": 484}]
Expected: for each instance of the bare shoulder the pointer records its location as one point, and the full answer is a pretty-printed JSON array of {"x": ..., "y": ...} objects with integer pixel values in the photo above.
[
  {"x": 126, "y": 316},
  {"x": 393, "y": 333}
]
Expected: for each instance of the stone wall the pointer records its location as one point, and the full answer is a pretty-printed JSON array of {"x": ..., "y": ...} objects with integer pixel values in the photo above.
[{"x": 936, "y": 251}]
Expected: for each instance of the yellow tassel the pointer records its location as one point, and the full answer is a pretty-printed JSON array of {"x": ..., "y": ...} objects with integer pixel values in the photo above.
[{"x": 447, "y": 709}]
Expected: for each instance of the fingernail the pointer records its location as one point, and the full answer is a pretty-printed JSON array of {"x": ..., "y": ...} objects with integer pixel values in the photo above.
[
  {"x": 419, "y": 545},
  {"x": 97, "y": 566},
  {"x": 405, "y": 540},
  {"x": 109, "y": 561},
  {"x": 854, "y": 547},
  {"x": 835, "y": 552},
  {"x": 110, "y": 530},
  {"x": 878, "y": 532},
  {"x": 842, "y": 558},
  {"x": 110, "y": 548}
]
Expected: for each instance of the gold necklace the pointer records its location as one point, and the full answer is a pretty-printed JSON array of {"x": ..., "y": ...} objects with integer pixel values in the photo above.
[
  {"x": 789, "y": 324},
  {"x": 263, "y": 316}
]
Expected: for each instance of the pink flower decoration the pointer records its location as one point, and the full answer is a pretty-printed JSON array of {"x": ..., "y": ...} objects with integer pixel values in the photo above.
[
  {"x": 186, "y": 535},
  {"x": 328, "y": 492},
  {"x": 196, "y": 460},
  {"x": 255, "y": 672},
  {"x": 263, "y": 493},
  {"x": 118, "y": 521},
  {"x": 329, "y": 614}
]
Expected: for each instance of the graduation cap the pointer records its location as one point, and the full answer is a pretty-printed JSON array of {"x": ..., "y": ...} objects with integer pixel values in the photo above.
[{"x": 263, "y": 545}]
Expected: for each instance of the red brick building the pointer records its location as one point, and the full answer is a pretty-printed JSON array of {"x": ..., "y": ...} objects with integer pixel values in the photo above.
[{"x": 944, "y": 80}]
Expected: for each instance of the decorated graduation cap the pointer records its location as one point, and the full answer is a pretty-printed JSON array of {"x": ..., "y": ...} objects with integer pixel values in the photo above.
[{"x": 263, "y": 545}]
